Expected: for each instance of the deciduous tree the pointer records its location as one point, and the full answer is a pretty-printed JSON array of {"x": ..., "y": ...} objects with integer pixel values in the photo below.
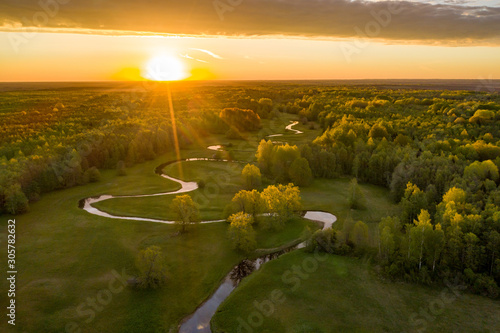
[
  {"x": 185, "y": 210},
  {"x": 251, "y": 176},
  {"x": 241, "y": 232},
  {"x": 152, "y": 269},
  {"x": 300, "y": 172}
]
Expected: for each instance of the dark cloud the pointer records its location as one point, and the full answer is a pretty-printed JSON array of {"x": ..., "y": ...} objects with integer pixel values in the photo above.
[{"x": 388, "y": 20}]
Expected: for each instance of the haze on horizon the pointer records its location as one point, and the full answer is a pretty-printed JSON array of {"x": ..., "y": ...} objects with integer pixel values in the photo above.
[{"x": 76, "y": 40}]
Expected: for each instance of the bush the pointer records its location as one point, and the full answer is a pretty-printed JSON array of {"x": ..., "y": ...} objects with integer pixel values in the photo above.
[
  {"x": 93, "y": 174},
  {"x": 323, "y": 240},
  {"x": 15, "y": 200},
  {"x": 485, "y": 285}
]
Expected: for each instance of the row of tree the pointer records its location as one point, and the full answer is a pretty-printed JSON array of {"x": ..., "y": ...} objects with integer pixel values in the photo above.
[
  {"x": 271, "y": 209},
  {"x": 283, "y": 163}
]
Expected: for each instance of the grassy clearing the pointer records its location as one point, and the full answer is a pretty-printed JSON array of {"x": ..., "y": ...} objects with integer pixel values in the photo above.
[
  {"x": 222, "y": 181},
  {"x": 344, "y": 295},
  {"x": 331, "y": 195}
]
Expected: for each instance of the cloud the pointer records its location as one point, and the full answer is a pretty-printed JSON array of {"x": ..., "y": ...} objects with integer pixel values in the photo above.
[
  {"x": 208, "y": 52},
  {"x": 187, "y": 56},
  {"x": 414, "y": 22}
]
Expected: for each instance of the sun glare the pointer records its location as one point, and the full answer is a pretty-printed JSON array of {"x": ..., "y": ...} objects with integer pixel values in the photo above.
[{"x": 165, "y": 68}]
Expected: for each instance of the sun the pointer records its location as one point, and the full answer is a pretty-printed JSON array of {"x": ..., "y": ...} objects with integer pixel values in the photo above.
[{"x": 164, "y": 68}]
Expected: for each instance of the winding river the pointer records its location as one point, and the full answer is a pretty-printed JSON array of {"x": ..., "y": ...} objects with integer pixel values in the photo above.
[{"x": 199, "y": 321}]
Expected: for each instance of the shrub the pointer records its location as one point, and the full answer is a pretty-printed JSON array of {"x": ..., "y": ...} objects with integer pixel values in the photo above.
[{"x": 93, "y": 174}]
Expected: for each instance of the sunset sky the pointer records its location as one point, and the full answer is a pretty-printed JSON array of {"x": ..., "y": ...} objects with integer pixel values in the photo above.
[{"x": 73, "y": 40}]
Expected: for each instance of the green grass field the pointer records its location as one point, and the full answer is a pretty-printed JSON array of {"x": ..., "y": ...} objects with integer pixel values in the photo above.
[
  {"x": 332, "y": 195},
  {"x": 342, "y": 294},
  {"x": 222, "y": 181}
]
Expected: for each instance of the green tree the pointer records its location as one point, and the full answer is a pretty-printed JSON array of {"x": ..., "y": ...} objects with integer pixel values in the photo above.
[
  {"x": 185, "y": 210},
  {"x": 322, "y": 240},
  {"x": 454, "y": 244},
  {"x": 454, "y": 194},
  {"x": 152, "y": 269},
  {"x": 472, "y": 251},
  {"x": 300, "y": 172},
  {"x": 240, "y": 119},
  {"x": 482, "y": 171},
  {"x": 378, "y": 131},
  {"x": 419, "y": 235},
  {"x": 360, "y": 235},
  {"x": 251, "y": 176},
  {"x": 241, "y": 232},
  {"x": 264, "y": 155},
  {"x": 281, "y": 202},
  {"x": 435, "y": 245},
  {"x": 265, "y": 106},
  {"x": 414, "y": 200},
  {"x": 482, "y": 117},
  {"x": 249, "y": 202},
  {"x": 387, "y": 243},
  {"x": 15, "y": 200},
  {"x": 282, "y": 158},
  {"x": 93, "y": 174},
  {"x": 493, "y": 247}
]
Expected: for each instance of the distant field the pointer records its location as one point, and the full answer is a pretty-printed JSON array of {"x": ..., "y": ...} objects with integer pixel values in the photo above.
[
  {"x": 474, "y": 85},
  {"x": 345, "y": 295}
]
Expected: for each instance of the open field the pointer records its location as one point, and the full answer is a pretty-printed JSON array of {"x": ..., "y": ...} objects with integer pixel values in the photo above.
[
  {"x": 332, "y": 195},
  {"x": 342, "y": 294}
]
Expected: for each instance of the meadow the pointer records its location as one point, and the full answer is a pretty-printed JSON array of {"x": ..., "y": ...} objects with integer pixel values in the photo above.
[{"x": 341, "y": 294}]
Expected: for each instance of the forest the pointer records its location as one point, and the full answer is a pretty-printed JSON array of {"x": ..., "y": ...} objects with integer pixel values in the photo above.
[
  {"x": 438, "y": 153},
  {"x": 435, "y": 152}
]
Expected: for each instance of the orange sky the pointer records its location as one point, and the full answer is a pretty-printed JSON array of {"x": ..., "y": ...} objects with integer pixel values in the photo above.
[
  {"x": 82, "y": 40},
  {"x": 74, "y": 57}
]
